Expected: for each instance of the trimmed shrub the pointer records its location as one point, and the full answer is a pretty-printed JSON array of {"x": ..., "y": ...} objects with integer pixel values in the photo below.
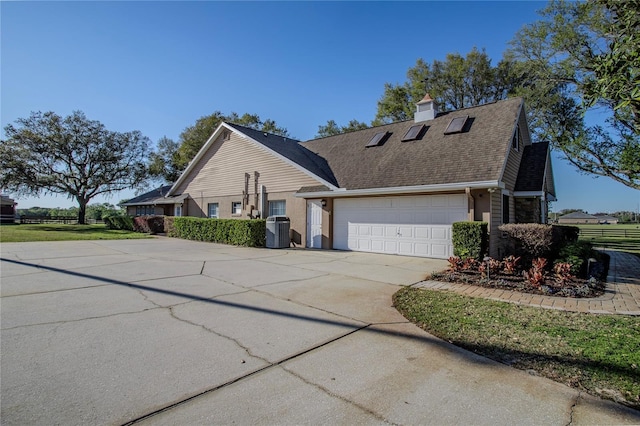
[
  {"x": 469, "y": 239},
  {"x": 576, "y": 254},
  {"x": 564, "y": 234},
  {"x": 119, "y": 222},
  {"x": 250, "y": 233},
  {"x": 148, "y": 224},
  {"x": 169, "y": 227},
  {"x": 529, "y": 239}
]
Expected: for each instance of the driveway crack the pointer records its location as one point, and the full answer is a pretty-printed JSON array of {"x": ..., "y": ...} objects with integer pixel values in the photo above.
[
  {"x": 340, "y": 397},
  {"x": 236, "y": 341},
  {"x": 80, "y": 319},
  {"x": 573, "y": 407},
  {"x": 238, "y": 379}
]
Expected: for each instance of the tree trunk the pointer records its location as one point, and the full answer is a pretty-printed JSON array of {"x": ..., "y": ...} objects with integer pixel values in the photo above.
[{"x": 82, "y": 204}]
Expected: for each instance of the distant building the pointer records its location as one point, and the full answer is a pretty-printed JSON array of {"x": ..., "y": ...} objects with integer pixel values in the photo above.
[
  {"x": 605, "y": 219},
  {"x": 7, "y": 209},
  {"x": 578, "y": 217}
]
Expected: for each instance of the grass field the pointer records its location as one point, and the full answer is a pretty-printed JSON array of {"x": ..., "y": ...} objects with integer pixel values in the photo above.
[
  {"x": 595, "y": 353},
  {"x": 60, "y": 232},
  {"x": 619, "y": 237}
]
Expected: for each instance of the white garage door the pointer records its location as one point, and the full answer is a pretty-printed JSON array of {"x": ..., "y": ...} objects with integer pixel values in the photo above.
[{"x": 417, "y": 225}]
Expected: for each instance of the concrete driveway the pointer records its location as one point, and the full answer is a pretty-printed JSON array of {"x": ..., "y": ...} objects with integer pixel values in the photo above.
[{"x": 168, "y": 331}]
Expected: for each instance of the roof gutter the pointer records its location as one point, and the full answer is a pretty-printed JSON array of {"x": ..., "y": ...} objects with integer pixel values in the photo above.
[{"x": 445, "y": 187}]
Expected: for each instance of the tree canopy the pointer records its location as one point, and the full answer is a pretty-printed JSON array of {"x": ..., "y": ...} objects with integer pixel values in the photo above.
[
  {"x": 332, "y": 128},
  {"x": 584, "y": 56},
  {"x": 163, "y": 162},
  {"x": 171, "y": 158},
  {"x": 75, "y": 156},
  {"x": 457, "y": 82}
]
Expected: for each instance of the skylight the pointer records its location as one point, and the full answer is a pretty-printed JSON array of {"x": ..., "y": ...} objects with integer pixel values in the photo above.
[
  {"x": 415, "y": 132},
  {"x": 377, "y": 139},
  {"x": 456, "y": 125}
]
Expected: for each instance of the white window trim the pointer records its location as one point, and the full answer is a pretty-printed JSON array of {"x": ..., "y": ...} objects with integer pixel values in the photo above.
[
  {"x": 234, "y": 204},
  {"x": 270, "y": 209},
  {"x": 217, "y": 215}
]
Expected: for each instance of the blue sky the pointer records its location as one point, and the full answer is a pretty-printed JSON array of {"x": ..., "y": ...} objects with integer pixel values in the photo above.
[{"x": 159, "y": 66}]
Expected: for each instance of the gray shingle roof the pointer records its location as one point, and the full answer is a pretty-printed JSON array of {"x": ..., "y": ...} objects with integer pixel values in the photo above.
[
  {"x": 578, "y": 215},
  {"x": 532, "y": 167},
  {"x": 148, "y": 197},
  {"x": 476, "y": 154}
]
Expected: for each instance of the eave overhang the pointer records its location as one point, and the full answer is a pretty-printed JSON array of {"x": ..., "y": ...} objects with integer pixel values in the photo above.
[
  {"x": 548, "y": 197},
  {"x": 446, "y": 187}
]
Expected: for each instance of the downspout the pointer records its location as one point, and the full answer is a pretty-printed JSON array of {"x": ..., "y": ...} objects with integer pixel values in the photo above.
[{"x": 261, "y": 202}]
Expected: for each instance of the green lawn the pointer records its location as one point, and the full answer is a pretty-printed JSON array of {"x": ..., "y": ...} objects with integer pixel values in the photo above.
[
  {"x": 630, "y": 243},
  {"x": 59, "y": 232},
  {"x": 596, "y": 353}
]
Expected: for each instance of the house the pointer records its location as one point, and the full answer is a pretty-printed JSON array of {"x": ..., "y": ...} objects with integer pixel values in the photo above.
[
  {"x": 7, "y": 209},
  {"x": 606, "y": 219},
  {"x": 577, "y": 218},
  {"x": 154, "y": 202},
  {"x": 395, "y": 188}
]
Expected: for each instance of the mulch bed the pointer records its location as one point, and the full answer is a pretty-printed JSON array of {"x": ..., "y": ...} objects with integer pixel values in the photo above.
[{"x": 574, "y": 287}]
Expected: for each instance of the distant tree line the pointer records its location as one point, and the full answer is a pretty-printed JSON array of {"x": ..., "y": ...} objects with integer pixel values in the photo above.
[{"x": 93, "y": 211}]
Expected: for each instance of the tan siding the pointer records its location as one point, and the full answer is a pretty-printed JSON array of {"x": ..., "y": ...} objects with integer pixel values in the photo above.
[
  {"x": 221, "y": 171},
  {"x": 495, "y": 236},
  {"x": 515, "y": 156}
]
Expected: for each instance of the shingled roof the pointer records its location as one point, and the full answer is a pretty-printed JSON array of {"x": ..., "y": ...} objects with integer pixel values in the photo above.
[
  {"x": 532, "y": 167},
  {"x": 476, "y": 154},
  {"x": 578, "y": 215},
  {"x": 155, "y": 196}
]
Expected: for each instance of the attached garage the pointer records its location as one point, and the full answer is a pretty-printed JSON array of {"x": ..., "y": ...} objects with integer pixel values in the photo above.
[{"x": 417, "y": 225}]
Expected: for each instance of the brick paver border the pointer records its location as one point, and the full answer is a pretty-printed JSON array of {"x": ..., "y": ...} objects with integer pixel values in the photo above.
[{"x": 621, "y": 297}]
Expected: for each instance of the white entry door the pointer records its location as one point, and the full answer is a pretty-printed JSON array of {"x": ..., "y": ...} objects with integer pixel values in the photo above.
[
  {"x": 417, "y": 225},
  {"x": 314, "y": 224}
]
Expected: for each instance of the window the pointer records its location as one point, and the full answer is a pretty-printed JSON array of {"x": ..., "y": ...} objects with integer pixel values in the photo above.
[
  {"x": 236, "y": 208},
  {"x": 516, "y": 142},
  {"x": 277, "y": 208},
  {"x": 505, "y": 208},
  {"x": 213, "y": 210},
  {"x": 415, "y": 132},
  {"x": 177, "y": 210},
  {"x": 456, "y": 125},
  {"x": 377, "y": 139},
  {"x": 145, "y": 210}
]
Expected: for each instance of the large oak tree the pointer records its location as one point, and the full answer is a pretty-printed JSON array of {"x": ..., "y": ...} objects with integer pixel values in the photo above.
[
  {"x": 49, "y": 154},
  {"x": 584, "y": 56}
]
